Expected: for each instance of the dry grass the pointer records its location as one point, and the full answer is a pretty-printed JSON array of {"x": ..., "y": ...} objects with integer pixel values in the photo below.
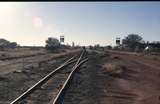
[{"x": 114, "y": 68}]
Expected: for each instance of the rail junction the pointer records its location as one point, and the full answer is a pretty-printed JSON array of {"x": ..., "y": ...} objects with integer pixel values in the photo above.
[{"x": 53, "y": 85}]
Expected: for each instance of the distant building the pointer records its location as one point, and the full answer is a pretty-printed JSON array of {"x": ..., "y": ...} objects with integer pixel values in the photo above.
[
  {"x": 61, "y": 39},
  {"x": 117, "y": 41}
]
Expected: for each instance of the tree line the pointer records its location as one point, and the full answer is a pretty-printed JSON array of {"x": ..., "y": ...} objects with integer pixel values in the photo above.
[
  {"x": 134, "y": 42},
  {"x": 7, "y": 44}
]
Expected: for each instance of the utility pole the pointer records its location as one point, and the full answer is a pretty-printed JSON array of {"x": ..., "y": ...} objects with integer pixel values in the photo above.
[{"x": 73, "y": 44}]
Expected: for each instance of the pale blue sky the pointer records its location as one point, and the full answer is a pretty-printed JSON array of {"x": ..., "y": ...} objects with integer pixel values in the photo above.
[{"x": 84, "y": 23}]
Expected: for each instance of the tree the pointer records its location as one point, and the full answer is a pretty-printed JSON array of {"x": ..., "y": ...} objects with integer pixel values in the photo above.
[
  {"x": 90, "y": 47},
  {"x": 52, "y": 44},
  {"x": 96, "y": 46},
  {"x": 109, "y": 47},
  {"x": 13, "y": 45},
  {"x": 4, "y": 44},
  {"x": 132, "y": 41}
]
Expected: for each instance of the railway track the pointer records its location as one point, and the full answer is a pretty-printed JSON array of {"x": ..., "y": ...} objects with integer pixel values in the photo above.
[{"x": 51, "y": 88}]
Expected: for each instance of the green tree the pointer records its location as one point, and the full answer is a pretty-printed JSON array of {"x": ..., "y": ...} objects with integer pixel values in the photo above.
[
  {"x": 132, "y": 41},
  {"x": 13, "y": 45},
  {"x": 4, "y": 44},
  {"x": 52, "y": 44},
  {"x": 109, "y": 47}
]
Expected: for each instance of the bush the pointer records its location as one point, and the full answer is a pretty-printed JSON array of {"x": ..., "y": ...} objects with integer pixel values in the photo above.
[
  {"x": 52, "y": 44},
  {"x": 114, "y": 69}
]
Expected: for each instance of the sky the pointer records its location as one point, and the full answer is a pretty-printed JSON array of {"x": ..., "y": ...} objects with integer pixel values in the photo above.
[{"x": 84, "y": 23}]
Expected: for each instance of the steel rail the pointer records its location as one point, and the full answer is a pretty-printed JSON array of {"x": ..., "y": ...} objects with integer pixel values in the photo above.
[
  {"x": 59, "y": 97},
  {"x": 39, "y": 83}
]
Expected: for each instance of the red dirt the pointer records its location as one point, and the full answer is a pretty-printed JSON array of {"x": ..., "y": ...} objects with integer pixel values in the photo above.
[
  {"x": 144, "y": 84},
  {"x": 138, "y": 83}
]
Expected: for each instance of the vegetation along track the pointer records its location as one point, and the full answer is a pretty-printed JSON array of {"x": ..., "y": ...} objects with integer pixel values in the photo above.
[{"x": 51, "y": 88}]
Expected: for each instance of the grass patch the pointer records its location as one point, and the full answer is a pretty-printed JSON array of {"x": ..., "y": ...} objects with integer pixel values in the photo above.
[{"x": 114, "y": 68}]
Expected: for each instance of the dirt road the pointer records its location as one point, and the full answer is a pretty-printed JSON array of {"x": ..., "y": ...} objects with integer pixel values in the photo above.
[{"x": 145, "y": 82}]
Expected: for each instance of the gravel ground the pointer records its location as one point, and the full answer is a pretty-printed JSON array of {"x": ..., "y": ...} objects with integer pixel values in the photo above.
[
  {"x": 88, "y": 84},
  {"x": 15, "y": 83},
  {"x": 7, "y": 66},
  {"x": 92, "y": 84},
  {"x": 137, "y": 84}
]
